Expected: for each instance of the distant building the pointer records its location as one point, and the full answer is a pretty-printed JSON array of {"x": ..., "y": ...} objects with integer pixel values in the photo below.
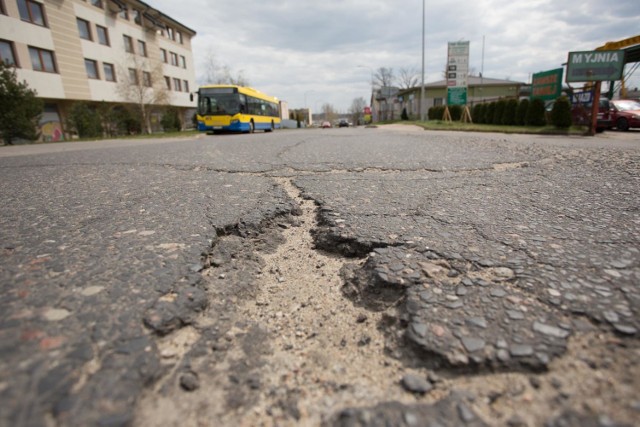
[
  {"x": 83, "y": 50},
  {"x": 383, "y": 103},
  {"x": 388, "y": 105}
]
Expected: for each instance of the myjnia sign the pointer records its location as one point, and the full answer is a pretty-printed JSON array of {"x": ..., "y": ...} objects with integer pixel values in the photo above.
[{"x": 596, "y": 65}]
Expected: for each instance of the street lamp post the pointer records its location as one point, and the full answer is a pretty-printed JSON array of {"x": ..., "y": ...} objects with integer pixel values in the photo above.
[
  {"x": 371, "y": 95},
  {"x": 309, "y": 116}
]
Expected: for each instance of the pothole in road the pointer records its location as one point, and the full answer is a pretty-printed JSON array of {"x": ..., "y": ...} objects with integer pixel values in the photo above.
[
  {"x": 326, "y": 351},
  {"x": 292, "y": 350}
]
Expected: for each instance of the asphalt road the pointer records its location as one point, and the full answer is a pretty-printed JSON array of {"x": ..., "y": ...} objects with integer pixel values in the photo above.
[{"x": 480, "y": 255}]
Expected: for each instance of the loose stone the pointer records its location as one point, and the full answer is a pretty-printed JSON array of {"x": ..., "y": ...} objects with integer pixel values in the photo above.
[
  {"x": 550, "y": 330},
  {"x": 472, "y": 344},
  {"x": 625, "y": 329},
  {"x": 416, "y": 384},
  {"x": 480, "y": 322},
  {"x": 189, "y": 381},
  {"x": 520, "y": 350}
]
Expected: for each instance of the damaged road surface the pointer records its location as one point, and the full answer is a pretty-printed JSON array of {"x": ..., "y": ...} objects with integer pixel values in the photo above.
[{"x": 348, "y": 277}]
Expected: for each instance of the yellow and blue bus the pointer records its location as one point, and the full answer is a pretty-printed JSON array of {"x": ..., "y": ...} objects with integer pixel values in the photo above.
[{"x": 230, "y": 108}]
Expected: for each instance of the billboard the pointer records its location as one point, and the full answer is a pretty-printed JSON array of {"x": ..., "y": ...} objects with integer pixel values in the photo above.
[
  {"x": 457, "y": 72},
  {"x": 547, "y": 85},
  {"x": 593, "y": 66}
]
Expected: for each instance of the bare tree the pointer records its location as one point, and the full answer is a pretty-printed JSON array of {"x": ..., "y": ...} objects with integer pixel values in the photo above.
[
  {"x": 329, "y": 112},
  {"x": 143, "y": 85},
  {"x": 408, "y": 78},
  {"x": 383, "y": 77},
  {"x": 357, "y": 109},
  {"x": 211, "y": 68},
  {"x": 215, "y": 72}
]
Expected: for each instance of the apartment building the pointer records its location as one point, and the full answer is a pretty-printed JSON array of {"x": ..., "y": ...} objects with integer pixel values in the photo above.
[{"x": 95, "y": 51}]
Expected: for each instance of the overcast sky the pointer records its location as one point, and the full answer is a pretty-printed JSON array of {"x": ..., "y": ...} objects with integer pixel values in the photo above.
[{"x": 317, "y": 52}]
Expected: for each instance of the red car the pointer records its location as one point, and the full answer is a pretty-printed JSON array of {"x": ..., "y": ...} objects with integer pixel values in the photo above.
[{"x": 625, "y": 114}]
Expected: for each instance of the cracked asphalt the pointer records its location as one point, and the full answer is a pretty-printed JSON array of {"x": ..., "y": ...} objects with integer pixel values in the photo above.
[{"x": 477, "y": 279}]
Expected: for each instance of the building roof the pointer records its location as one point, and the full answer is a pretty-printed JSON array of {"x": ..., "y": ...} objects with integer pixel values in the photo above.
[
  {"x": 472, "y": 81},
  {"x": 478, "y": 81},
  {"x": 160, "y": 14}
]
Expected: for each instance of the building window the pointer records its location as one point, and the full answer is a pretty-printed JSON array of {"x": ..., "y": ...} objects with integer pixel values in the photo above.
[
  {"x": 128, "y": 44},
  {"x": 124, "y": 13},
  {"x": 174, "y": 59},
  {"x": 170, "y": 33},
  {"x": 133, "y": 76},
  {"x": 163, "y": 53},
  {"x": 109, "y": 72},
  {"x": 96, "y": 3},
  {"x": 137, "y": 17},
  {"x": 177, "y": 85},
  {"x": 92, "y": 68},
  {"x": 183, "y": 62},
  {"x": 185, "y": 85},
  {"x": 103, "y": 35},
  {"x": 84, "y": 28},
  {"x": 42, "y": 60},
  {"x": 167, "y": 80},
  {"x": 142, "y": 48},
  {"x": 146, "y": 78},
  {"x": 31, "y": 11},
  {"x": 2, "y": 8},
  {"x": 179, "y": 37},
  {"x": 7, "y": 53}
]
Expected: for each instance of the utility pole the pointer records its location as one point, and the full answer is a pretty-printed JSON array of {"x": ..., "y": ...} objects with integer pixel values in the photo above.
[{"x": 422, "y": 106}]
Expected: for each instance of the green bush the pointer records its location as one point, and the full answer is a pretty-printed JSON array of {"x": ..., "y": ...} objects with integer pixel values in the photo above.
[
  {"x": 498, "y": 111},
  {"x": 20, "y": 109},
  {"x": 521, "y": 112},
  {"x": 85, "y": 120},
  {"x": 170, "y": 120},
  {"x": 476, "y": 113},
  {"x": 488, "y": 112},
  {"x": 128, "y": 121},
  {"x": 509, "y": 113},
  {"x": 456, "y": 112},
  {"x": 561, "y": 113},
  {"x": 536, "y": 113},
  {"x": 436, "y": 113}
]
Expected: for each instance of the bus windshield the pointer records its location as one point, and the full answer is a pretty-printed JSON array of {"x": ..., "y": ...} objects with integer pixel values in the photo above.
[{"x": 219, "y": 102}]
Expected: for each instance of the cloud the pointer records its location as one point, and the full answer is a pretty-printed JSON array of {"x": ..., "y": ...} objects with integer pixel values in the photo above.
[{"x": 325, "y": 52}]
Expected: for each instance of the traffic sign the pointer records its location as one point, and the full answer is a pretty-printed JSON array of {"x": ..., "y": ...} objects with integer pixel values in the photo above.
[{"x": 593, "y": 66}]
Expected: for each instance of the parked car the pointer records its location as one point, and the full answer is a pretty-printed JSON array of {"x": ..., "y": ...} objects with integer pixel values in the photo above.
[
  {"x": 625, "y": 114},
  {"x": 325, "y": 125},
  {"x": 343, "y": 124},
  {"x": 581, "y": 114}
]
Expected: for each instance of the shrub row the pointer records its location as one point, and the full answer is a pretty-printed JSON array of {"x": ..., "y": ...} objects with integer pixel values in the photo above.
[
  {"x": 97, "y": 120},
  {"x": 510, "y": 112}
]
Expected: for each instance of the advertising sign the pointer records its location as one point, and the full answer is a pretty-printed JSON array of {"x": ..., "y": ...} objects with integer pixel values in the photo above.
[
  {"x": 547, "y": 85},
  {"x": 457, "y": 96},
  {"x": 585, "y": 97},
  {"x": 593, "y": 66},
  {"x": 457, "y": 72}
]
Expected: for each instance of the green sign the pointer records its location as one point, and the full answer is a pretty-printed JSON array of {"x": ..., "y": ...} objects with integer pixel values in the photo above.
[
  {"x": 547, "y": 85},
  {"x": 596, "y": 65},
  {"x": 457, "y": 96}
]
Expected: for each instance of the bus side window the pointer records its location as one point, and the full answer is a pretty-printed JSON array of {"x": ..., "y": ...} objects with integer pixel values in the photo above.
[{"x": 243, "y": 104}]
